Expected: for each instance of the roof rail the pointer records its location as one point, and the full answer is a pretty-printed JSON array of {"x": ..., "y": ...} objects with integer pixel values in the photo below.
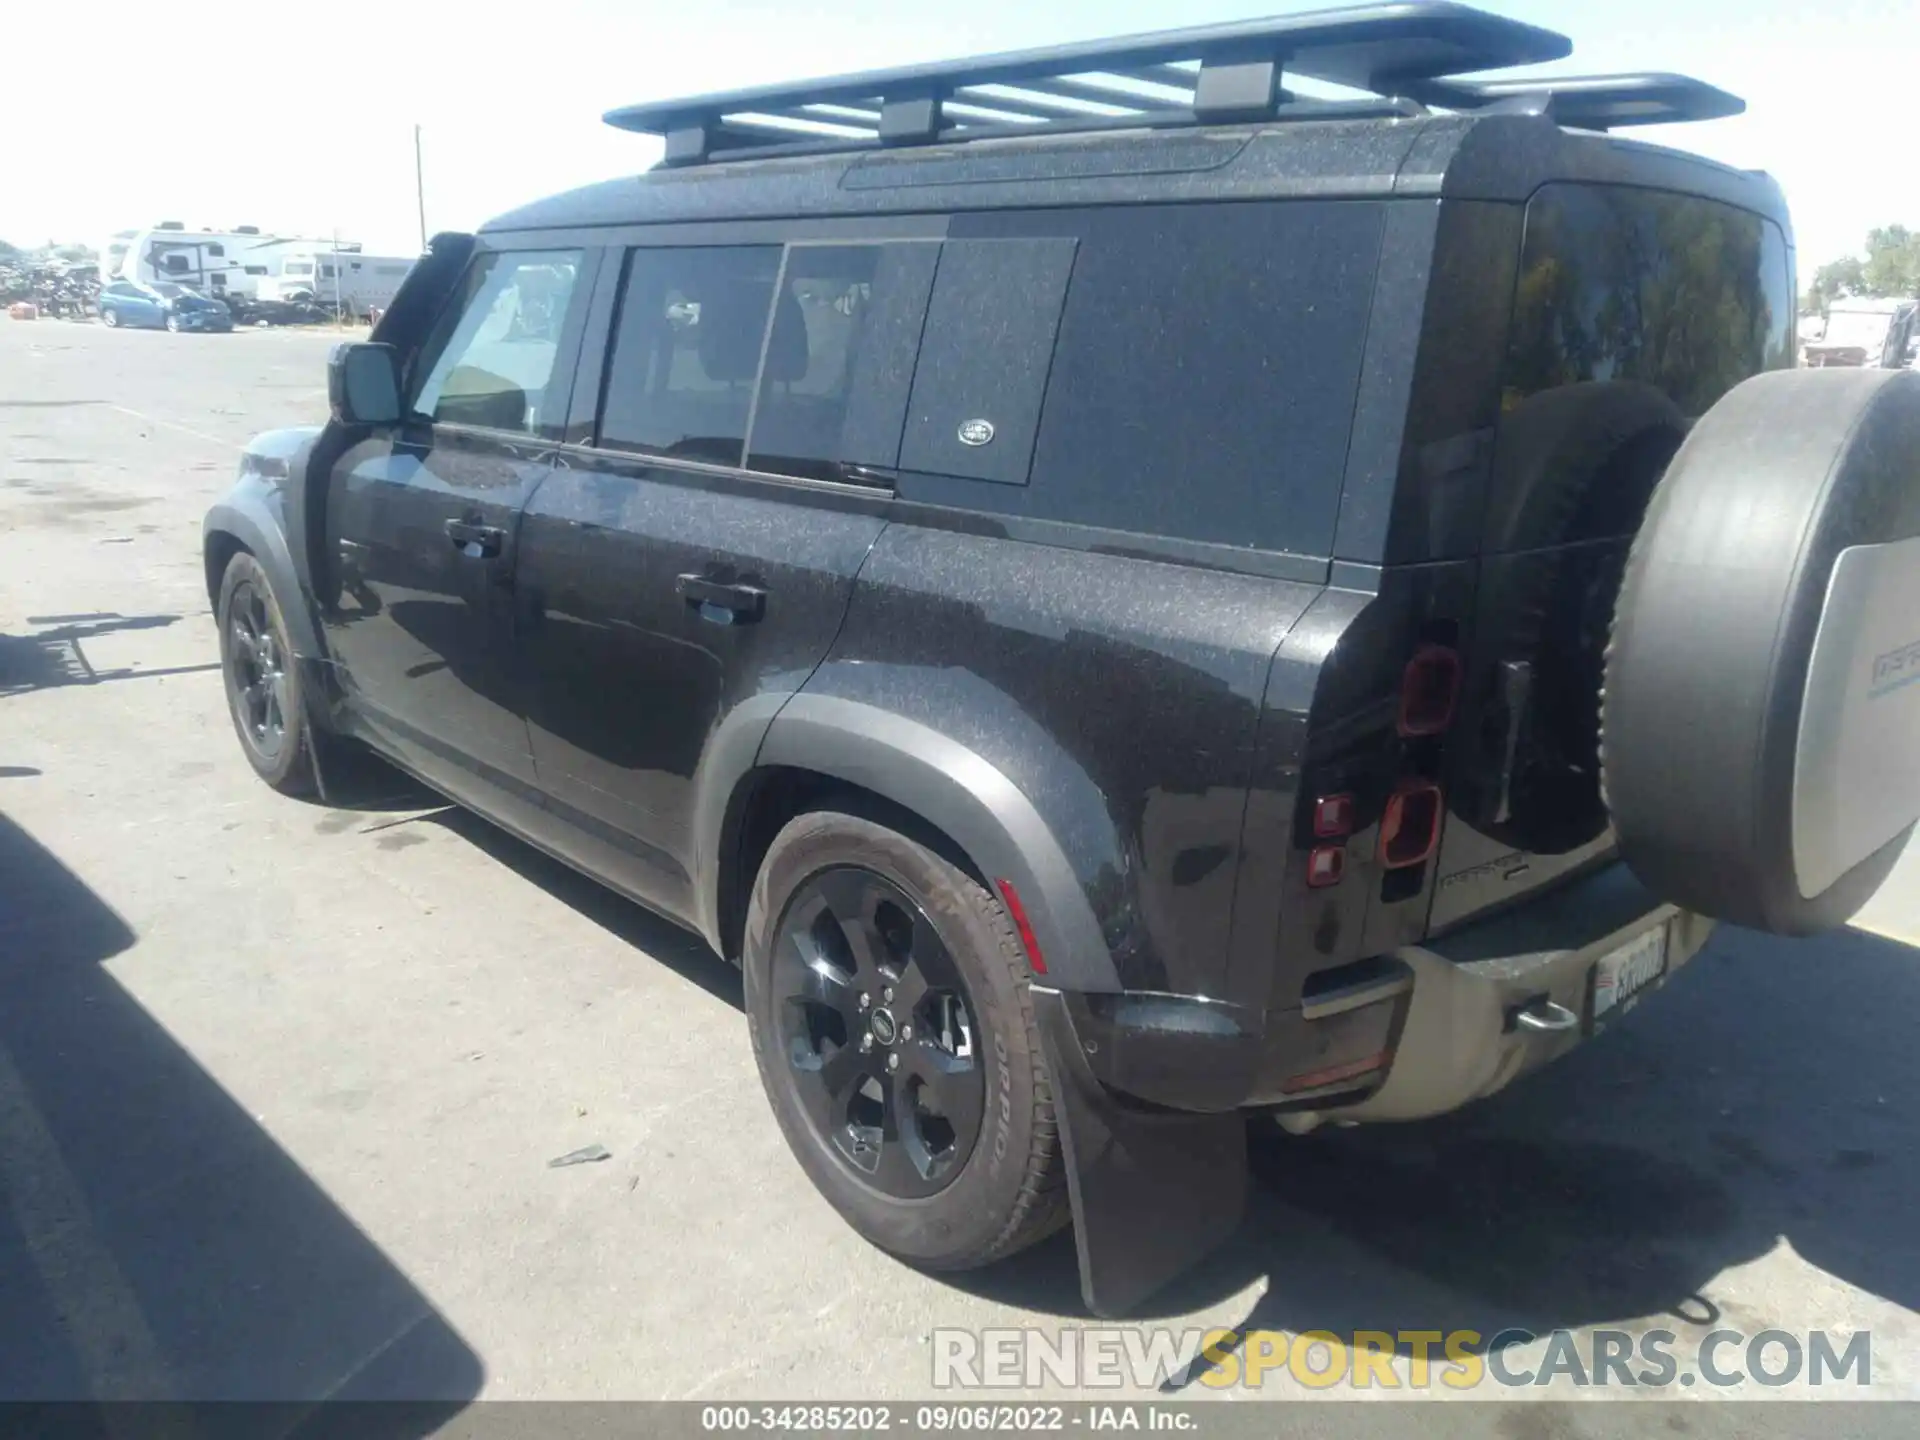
[
  {"x": 1209, "y": 74},
  {"x": 1404, "y": 55}
]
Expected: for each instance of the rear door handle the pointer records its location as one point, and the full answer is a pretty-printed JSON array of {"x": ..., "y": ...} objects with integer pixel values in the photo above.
[
  {"x": 722, "y": 602},
  {"x": 476, "y": 542}
]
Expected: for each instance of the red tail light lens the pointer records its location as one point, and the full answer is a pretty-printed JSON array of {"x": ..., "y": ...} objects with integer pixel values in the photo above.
[
  {"x": 1410, "y": 825},
  {"x": 1429, "y": 691},
  {"x": 1326, "y": 865},
  {"x": 1333, "y": 817}
]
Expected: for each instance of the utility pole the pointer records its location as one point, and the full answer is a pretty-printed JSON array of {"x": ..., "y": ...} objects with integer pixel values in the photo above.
[{"x": 419, "y": 187}]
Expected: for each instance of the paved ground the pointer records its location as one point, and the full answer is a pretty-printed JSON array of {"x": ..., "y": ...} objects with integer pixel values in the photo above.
[{"x": 278, "y": 1084}]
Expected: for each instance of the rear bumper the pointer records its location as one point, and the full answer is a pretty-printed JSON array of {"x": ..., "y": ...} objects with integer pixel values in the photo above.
[
  {"x": 1154, "y": 1186},
  {"x": 1419, "y": 1032},
  {"x": 1462, "y": 1038}
]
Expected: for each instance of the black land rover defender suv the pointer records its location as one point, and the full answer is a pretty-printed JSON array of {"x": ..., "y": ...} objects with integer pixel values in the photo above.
[{"x": 1123, "y": 596}]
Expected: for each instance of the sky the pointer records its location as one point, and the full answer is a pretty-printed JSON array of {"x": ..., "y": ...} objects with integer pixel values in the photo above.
[{"x": 218, "y": 123}]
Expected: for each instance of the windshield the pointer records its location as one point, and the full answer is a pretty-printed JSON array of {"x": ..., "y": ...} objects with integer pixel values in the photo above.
[
  {"x": 1866, "y": 329},
  {"x": 172, "y": 292}
]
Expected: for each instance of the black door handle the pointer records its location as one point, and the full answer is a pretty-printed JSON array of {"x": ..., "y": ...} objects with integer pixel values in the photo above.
[
  {"x": 476, "y": 542},
  {"x": 722, "y": 602}
]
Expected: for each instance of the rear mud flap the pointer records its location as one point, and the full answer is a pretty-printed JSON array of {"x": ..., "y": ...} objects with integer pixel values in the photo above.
[{"x": 1153, "y": 1191}]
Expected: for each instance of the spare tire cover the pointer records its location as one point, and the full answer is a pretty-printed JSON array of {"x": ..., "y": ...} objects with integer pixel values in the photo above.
[{"x": 1760, "y": 721}]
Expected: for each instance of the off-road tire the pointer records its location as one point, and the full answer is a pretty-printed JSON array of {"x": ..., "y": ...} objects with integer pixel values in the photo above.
[{"x": 1012, "y": 1190}]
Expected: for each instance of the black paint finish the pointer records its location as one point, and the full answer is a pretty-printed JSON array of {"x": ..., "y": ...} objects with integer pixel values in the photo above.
[
  {"x": 1121, "y": 696},
  {"x": 630, "y": 673},
  {"x": 422, "y": 628}
]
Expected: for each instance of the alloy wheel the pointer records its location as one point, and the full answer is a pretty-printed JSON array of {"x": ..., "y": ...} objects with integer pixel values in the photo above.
[
  {"x": 880, "y": 1043},
  {"x": 256, "y": 671}
]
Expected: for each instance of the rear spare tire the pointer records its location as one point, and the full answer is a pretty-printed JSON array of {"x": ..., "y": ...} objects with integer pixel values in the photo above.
[{"x": 1760, "y": 722}]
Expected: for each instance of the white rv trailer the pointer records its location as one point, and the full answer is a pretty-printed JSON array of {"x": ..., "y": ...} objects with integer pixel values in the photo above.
[
  {"x": 217, "y": 263},
  {"x": 350, "y": 280}
]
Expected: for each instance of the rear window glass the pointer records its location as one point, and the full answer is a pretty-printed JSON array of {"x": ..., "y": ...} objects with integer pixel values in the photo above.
[
  {"x": 1616, "y": 284},
  {"x": 1634, "y": 311}
]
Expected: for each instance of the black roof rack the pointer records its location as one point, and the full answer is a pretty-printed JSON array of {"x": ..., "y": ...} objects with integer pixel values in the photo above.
[
  {"x": 1404, "y": 56},
  {"x": 1590, "y": 102}
]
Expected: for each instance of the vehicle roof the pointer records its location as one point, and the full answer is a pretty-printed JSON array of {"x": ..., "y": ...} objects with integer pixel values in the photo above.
[{"x": 1489, "y": 156}]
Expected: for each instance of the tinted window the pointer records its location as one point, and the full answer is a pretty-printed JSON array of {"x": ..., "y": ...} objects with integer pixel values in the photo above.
[
  {"x": 1203, "y": 381},
  {"x": 494, "y": 353},
  {"x": 1686, "y": 295},
  {"x": 840, "y": 358},
  {"x": 687, "y": 351},
  {"x": 983, "y": 364},
  {"x": 1634, "y": 311}
]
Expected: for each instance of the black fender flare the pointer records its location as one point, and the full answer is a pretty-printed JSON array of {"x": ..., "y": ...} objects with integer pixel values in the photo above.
[
  {"x": 251, "y": 513},
  {"x": 963, "y": 795}
]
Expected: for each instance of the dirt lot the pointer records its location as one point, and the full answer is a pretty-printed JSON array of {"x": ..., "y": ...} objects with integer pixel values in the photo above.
[{"x": 279, "y": 1083}]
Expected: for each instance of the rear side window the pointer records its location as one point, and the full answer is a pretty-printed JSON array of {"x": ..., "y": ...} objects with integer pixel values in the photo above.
[
  {"x": 1686, "y": 295},
  {"x": 1634, "y": 311},
  {"x": 1199, "y": 382},
  {"x": 840, "y": 358},
  {"x": 493, "y": 355},
  {"x": 811, "y": 349},
  {"x": 687, "y": 351},
  {"x": 983, "y": 364}
]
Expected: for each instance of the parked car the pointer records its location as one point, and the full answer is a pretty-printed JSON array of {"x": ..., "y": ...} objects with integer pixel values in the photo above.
[
  {"x": 1865, "y": 330},
  {"x": 1123, "y": 623},
  {"x": 161, "y": 305}
]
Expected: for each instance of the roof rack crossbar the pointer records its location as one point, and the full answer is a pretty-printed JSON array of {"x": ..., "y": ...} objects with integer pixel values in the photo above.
[
  {"x": 1022, "y": 100},
  {"x": 1067, "y": 87},
  {"x": 1409, "y": 54}
]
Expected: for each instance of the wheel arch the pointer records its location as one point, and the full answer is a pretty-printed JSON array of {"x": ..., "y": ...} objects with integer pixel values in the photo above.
[
  {"x": 243, "y": 520},
  {"x": 815, "y": 746}
]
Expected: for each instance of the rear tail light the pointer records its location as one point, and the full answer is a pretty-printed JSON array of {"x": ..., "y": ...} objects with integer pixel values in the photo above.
[
  {"x": 1410, "y": 825},
  {"x": 1326, "y": 865},
  {"x": 1429, "y": 691},
  {"x": 1333, "y": 817}
]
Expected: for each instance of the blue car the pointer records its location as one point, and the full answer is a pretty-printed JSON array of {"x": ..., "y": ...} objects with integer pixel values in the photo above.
[{"x": 127, "y": 302}]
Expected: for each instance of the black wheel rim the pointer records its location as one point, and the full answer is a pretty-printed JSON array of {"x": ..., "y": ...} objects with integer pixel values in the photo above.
[
  {"x": 256, "y": 672},
  {"x": 878, "y": 1039}
]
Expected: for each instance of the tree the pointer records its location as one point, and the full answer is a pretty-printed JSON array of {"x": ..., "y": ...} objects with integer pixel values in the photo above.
[
  {"x": 1893, "y": 262},
  {"x": 1891, "y": 267}
]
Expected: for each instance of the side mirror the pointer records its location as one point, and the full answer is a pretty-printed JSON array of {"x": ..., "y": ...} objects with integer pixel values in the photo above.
[{"x": 363, "y": 384}]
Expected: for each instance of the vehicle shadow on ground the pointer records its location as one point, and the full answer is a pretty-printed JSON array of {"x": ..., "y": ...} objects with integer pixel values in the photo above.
[
  {"x": 661, "y": 940},
  {"x": 1761, "y": 1097},
  {"x": 56, "y": 656},
  {"x": 155, "y": 1243}
]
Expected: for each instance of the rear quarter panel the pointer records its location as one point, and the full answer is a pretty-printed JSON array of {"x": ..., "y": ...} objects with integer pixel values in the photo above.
[{"x": 1120, "y": 695}]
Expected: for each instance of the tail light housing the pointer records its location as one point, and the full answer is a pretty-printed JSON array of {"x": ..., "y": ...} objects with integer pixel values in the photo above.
[
  {"x": 1326, "y": 865},
  {"x": 1333, "y": 817},
  {"x": 1429, "y": 691},
  {"x": 1410, "y": 825}
]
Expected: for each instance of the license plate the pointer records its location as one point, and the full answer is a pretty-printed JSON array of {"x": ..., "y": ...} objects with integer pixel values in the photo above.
[{"x": 1628, "y": 972}]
